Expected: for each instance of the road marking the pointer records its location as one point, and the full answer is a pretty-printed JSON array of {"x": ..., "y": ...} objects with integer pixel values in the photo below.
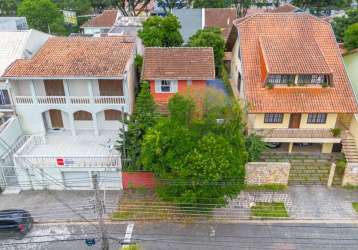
[{"x": 128, "y": 236}]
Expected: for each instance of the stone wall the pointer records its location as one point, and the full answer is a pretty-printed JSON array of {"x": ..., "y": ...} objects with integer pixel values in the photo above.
[
  {"x": 258, "y": 173},
  {"x": 351, "y": 174}
]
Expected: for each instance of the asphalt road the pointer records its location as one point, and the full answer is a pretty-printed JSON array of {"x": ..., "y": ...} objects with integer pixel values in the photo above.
[{"x": 164, "y": 236}]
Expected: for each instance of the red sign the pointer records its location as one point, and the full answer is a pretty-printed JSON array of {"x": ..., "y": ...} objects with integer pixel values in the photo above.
[{"x": 60, "y": 161}]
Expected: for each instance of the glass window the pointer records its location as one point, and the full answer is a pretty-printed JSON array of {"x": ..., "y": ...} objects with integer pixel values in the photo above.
[
  {"x": 304, "y": 79},
  {"x": 273, "y": 118},
  {"x": 317, "y": 118},
  {"x": 312, "y": 79},
  {"x": 274, "y": 79},
  {"x": 165, "y": 86},
  {"x": 4, "y": 97},
  {"x": 281, "y": 79}
]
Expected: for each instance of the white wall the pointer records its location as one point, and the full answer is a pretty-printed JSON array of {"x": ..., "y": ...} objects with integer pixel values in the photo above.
[
  {"x": 10, "y": 134},
  {"x": 78, "y": 87}
]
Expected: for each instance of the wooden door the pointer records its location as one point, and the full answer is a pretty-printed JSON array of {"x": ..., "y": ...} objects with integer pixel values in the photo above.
[
  {"x": 54, "y": 88},
  {"x": 56, "y": 118},
  {"x": 110, "y": 87},
  {"x": 295, "y": 120}
]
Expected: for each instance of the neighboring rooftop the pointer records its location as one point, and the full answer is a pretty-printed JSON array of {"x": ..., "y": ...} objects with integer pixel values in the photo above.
[
  {"x": 306, "y": 30},
  {"x": 19, "y": 44},
  {"x": 178, "y": 63},
  {"x": 128, "y": 26},
  {"x": 286, "y": 8},
  {"x": 76, "y": 57},
  {"x": 220, "y": 17},
  {"x": 13, "y": 23},
  {"x": 104, "y": 20}
]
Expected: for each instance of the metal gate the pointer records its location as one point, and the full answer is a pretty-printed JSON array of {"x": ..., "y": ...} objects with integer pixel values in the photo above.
[{"x": 9, "y": 177}]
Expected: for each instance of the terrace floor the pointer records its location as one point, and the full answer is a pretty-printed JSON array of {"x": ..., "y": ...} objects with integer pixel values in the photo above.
[{"x": 62, "y": 143}]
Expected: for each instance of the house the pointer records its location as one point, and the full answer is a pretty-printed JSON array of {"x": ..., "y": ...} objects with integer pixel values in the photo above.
[
  {"x": 15, "y": 45},
  {"x": 286, "y": 8},
  {"x": 129, "y": 26},
  {"x": 192, "y": 20},
  {"x": 70, "y": 98},
  {"x": 177, "y": 70},
  {"x": 101, "y": 23},
  {"x": 13, "y": 23},
  {"x": 288, "y": 69}
]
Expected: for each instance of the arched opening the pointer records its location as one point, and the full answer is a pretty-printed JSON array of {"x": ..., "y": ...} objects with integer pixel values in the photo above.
[
  {"x": 83, "y": 121},
  {"x": 55, "y": 119},
  {"x": 111, "y": 119},
  {"x": 82, "y": 116}
]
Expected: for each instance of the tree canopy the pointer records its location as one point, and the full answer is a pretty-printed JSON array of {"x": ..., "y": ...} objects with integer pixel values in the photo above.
[
  {"x": 169, "y": 5},
  {"x": 340, "y": 24},
  {"x": 212, "y": 3},
  {"x": 351, "y": 37},
  {"x": 210, "y": 37},
  {"x": 8, "y": 7},
  {"x": 79, "y": 6},
  {"x": 161, "y": 32},
  {"x": 318, "y": 6},
  {"x": 131, "y": 7},
  {"x": 196, "y": 157},
  {"x": 43, "y": 15},
  {"x": 143, "y": 118}
]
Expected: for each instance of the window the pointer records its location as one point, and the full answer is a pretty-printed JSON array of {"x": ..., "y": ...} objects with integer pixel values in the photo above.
[
  {"x": 312, "y": 79},
  {"x": 317, "y": 118},
  {"x": 166, "y": 86},
  {"x": 4, "y": 97},
  {"x": 273, "y": 118},
  {"x": 82, "y": 116},
  {"x": 281, "y": 79}
]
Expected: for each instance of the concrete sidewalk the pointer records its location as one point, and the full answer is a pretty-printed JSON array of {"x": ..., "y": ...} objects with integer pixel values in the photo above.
[{"x": 51, "y": 206}]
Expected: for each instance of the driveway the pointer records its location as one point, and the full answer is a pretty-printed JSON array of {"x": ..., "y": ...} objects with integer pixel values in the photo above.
[
  {"x": 320, "y": 202},
  {"x": 48, "y": 206}
]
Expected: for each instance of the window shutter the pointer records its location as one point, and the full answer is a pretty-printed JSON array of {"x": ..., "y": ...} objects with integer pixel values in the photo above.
[
  {"x": 174, "y": 87},
  {"x": 157, "y": 86}
]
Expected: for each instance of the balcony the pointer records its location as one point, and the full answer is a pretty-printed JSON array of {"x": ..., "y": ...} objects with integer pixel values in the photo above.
[
  {"x": 299, "y": 135},
  {"x": 74, "y": 100}
]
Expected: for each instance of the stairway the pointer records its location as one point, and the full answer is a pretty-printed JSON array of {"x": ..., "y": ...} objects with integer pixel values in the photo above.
[{"x": 349, "y": 147}]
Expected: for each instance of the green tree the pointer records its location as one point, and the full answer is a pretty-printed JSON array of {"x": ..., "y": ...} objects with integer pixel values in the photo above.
[
  {"x": 143, "y": 118},
  {"x": 340, "y": 24},
  {"x": 161, "y": 32},
  {"x": 212, "y": 3},
  {"x": 100, "y": 5},
  {"x": 197, "y": 159},
  {"x": 318, "y": 6},
  {"x": 351, "y": 37},
  {"x": 254, "y": 146},
  {"x": 8, "y": 7},
  {"x": 210, "y": 37},
  {"x": 79, "y": 6},
  {"x": 131, "y": 7},
  {"x": 42, "y": 15}
]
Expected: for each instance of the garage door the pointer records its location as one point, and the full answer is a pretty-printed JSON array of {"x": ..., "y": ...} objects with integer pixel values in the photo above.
[
  {"x": 77, "y": 180},
  {"x": 110, "y": 180}
]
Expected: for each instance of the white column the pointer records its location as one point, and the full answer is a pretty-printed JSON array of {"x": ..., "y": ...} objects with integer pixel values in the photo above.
[
  {"x": 72, "y": 124},
  {"x": 66, "y": 89},
  {"x": 95, "y": 124},
  {"x": 126, "y": 95},
  {"x": 90, "y": 91},
  {"x": 33, "y": 91},
  {"x": 290, "y": 146}
]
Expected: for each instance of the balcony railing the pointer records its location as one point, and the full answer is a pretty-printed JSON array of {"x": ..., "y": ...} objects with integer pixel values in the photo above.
[{"x": 44, "y": 100}]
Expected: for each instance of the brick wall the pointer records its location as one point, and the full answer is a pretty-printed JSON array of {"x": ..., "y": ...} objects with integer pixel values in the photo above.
[
  {"x": 258, "y": 173},
  {"x": 138, "y": 180}
]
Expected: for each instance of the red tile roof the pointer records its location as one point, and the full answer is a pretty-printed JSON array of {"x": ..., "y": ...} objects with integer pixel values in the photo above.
[
  {"x": 221, "y": 18},
  {"x": 178, "y": 63},
  {"x": 307, "y": 29},
  {"x": 106, "y": 19},
  {"x": 288, "y": 53},
  {"x": 76, "y": 57}
]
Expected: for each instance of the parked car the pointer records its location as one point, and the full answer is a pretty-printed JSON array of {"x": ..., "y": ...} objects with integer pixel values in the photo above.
[
  {"x": 273, "y": 144},
  {"x": 15, "y": 221}
]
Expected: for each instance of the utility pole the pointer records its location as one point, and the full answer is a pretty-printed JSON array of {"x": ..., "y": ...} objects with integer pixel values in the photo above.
[{"x": 100, "y": 213}]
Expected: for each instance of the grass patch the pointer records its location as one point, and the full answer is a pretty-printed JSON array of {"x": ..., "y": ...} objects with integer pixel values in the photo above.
[
  {"x": 269, "y": 210},
  {"x": 355, "y": 206},
  {"x": 350, "y": 187},
  {"x": 131, "y": 247},
  {"x": 266, "y": 187},
  {"x": 137, "y": 206}
]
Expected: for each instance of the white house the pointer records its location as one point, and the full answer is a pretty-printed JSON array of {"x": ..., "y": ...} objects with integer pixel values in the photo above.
[
  {"x": 16, "y": 45},
  {"x": 70, "y": 98}
]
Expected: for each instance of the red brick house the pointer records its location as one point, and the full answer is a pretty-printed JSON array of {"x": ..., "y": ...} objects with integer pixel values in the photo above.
[{"x": 177, "y": 70}]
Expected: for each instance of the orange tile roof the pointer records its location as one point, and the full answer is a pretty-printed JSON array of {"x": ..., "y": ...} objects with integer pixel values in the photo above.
[
  {"x": 221, "y": 18},
  {"x": 338, "y": 98},
  {"x": 288, "y": 53},
  {"x": 106, "y": 19},
  {"x": 178, "y": 63},
  {"x": 76, "y": 57}
]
